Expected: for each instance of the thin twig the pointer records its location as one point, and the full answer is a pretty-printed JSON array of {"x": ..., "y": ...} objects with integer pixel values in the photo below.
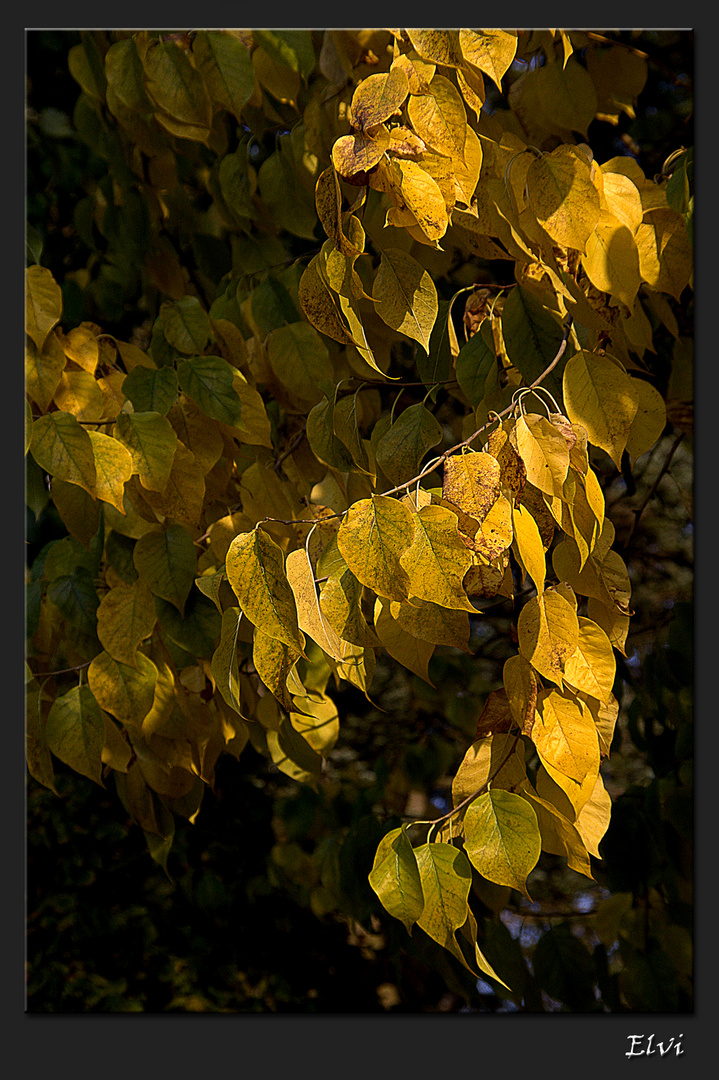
[
  {"x": 650, "y": 494},
  {"x": 465, "y": 442},
  {"x": 478, "y": 792},
  {"x": 62, "y": 671},
  {"x": 505, "y": 412}
]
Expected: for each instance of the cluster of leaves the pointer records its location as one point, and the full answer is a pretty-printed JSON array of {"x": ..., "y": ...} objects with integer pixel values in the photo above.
[{"x": 241, "y": 488}]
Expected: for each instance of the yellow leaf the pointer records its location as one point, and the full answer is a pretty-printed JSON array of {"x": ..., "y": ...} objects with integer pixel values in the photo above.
[
  {"x": 467, "y": 168},
  {"x": 404, "y": 143},
  {"x": 529, "y": 545},
  {"x": 432, "y": 623},
  {"x": 649, "y": 421},
  {"x": 377, "y": 98},
  {"x": 316, "y": 719},
  {"x": 544, "y": 452},
  {"x": 78, "y": 393},
  {"x": 437, "y": 46},
  {"x": 309, "y": 613},
  {"x": 273, "y": 661},
  {"x": 113, "y": 466},
  {"x": 43, "y": 303},
  {"x": 81, "y": 345},
  {"x": 500, "y": 757},
  {"x": 562, "y": 196},
  {"x": 412, "y": 652},
  {"x": 566, "y": 795},
  {"x": 437, "y": 560},
  {"x": 319, "y": 305},
  {"x": 199, "y": 433},
  {"x": 340, "y": 603},
  {"x": 599, "y": 395},
  {"x": 591, "y": 668},
  {"x": 471, "y": 483},
  {"x": 548, "y": 631},
  {"x": 559, "y": 835},
  {"x": 254, "y": 425},
  {"x": 492, "y": 51},
  {"x": 328, "y": 200},
  {"x": 520, "y": 684},
  {"x": 666, "y": 257},
  {"x": 593, "y": 820},
  {"x": 622, "y": 199},
  {"x": 611, "y": 259},
  {"x": 125, "y": 617},
  {"x": 419, "y": 72},
  {"x": 471, "y": 83},
  {"x": 123, "y": 690},
  {"x": 372, "y": 538},
  {"x": 405, "y": 296},
  {"x": 494, "y": 535},
  {"x": 613, "y": 622},
  {"x": 424, "y": 198},
  {"x": 565, "y": 736},
  {"x": 43, "y": 370},
  {"x": 256, "y": 572},
  {"x": 62, "y": 448},
  {"x": 439, "y": 118},
  {"x": 605, "y": 716},
  {"x": 361, "y": 152}
]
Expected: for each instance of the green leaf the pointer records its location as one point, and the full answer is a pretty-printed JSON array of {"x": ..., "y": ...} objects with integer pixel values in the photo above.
[
  {"x": 62, "y": 447},
  {"x": 475, "y": 361},
  {"x": 401, "y": 449},
  {"x": 33, "y": 244},
  {"x": 437, "y": 366},
  {"x": 75, "y": 732},
  {"x": 372, "y": 538},
  {"x": 208, "y": 381},
  {"x": 186, "y": 325},
  {"x": 226, "y": 67},
  {"x": 152, "y": 444},
  {"x": 291, "y": 47},
  {"x": 197, "y": 631},
  {"x": 167, "y": 563},
  {"x": 532, "y": 335},
  {"x": 563, "y": 967},
  {"x": 502, "y": 838},
  {"x": 224, "y": 666},
  {"x": 300, "y": 360},
  {"x": 326, "y": 447},
  {"x": 405, "y": 296},
  {"x": 76, "y": 597},
  {"x": 256, "y": 571},
  {"x": 395, "y": 878},
  {"x": 151, "y": 390},
  {"x": 125, "y": 75},
  {"x": 178, "y": 89}
]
